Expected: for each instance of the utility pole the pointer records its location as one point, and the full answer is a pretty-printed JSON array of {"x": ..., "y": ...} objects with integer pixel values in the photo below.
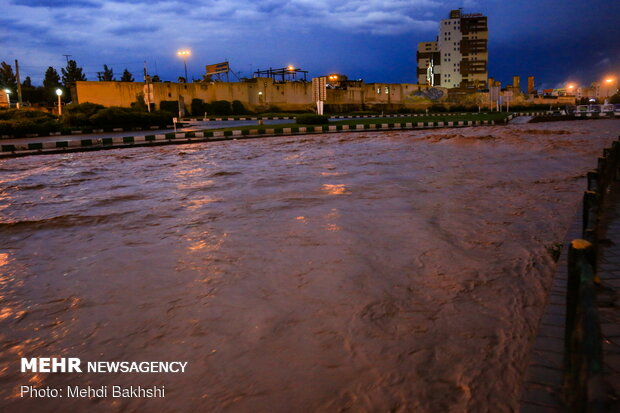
[
  {"x": 147, "y": 78},
  {"x": 67, "y": 56},
  {"x": 19, "y": 86}
]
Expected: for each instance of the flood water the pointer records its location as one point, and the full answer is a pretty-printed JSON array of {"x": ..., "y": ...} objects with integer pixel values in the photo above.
[{"x": 393, "y": 271}]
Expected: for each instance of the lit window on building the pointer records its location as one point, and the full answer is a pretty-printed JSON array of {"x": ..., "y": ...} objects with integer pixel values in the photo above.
[{"x": 378, "y": 91}]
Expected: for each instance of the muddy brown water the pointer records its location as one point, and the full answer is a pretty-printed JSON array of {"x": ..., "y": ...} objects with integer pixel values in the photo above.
[{"x": 394, "y": 271}]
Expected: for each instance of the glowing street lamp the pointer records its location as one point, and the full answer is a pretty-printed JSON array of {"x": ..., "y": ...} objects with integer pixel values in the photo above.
[
  {"x": 290, "y": 68},
  {"x": 184, "y": 54},
  {"x": 609, "y": 81},
  {"x": 59, "y": 93}
]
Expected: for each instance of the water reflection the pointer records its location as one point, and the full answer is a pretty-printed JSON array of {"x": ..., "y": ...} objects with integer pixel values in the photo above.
[{"x": 335, "y": 189}]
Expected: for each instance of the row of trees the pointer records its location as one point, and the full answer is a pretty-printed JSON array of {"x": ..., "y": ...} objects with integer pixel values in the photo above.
[
  {"x": 46, "y": 94},
  {"x": 108, "y": 75}
]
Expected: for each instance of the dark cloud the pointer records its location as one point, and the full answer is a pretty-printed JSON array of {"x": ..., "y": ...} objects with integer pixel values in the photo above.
[
  {"x": 132, "y": 29},
  {"x": 372, "y": 39},
  {"x": 50, "y": 4}
]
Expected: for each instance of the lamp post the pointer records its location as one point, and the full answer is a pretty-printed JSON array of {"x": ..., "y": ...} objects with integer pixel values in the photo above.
[
  {"x": 609, "y": 80},
  {"x": 184, "y": 54},
  {"x": 59, "y": 93}
]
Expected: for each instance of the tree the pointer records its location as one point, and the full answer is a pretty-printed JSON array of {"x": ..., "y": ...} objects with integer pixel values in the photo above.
[
  {"x": 52, "y": 79},
  {"x": 107, "y": 75},
  {"x": 127, "y": 77},
  {"x": 33, "y": 94},
  {"x": 71, "y": 74},
  {"x": 51, "y": 82},
  {"x": 615, "y": 98},
  {"x": 7, "y": 77}
]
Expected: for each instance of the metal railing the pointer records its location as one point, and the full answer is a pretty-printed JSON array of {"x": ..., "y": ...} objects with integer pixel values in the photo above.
[{"x": 583, "y": 357}]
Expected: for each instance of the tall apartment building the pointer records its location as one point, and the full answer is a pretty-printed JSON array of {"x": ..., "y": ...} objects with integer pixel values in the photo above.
[{"x": 459, "y": 56}]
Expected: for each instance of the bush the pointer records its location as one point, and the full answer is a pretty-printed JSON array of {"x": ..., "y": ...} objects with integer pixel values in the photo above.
[
  {"x": 117, "y": 117},
  {"x": 220, "y": 107},
  {"x": 139, "y": 104},
  {"x": 312, "y": 120},
  {"x": 198, "y": 107},
  {"x": 238, "y": 108},
  {"x": 75, "y": 119},
  {"x": 19, "y": 123},
  {"x": 85, "y": 108},
  {"x": 170, "y": 106},
  {"x": 21, "y": 127},
  {"x": 12, "y": 114}
]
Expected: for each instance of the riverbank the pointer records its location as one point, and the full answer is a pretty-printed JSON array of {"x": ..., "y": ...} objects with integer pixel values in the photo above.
[{"x": 34, "y": 147}]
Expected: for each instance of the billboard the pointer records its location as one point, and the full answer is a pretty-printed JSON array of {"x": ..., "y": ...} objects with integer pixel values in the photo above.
[{"x": 217, "y": 68}]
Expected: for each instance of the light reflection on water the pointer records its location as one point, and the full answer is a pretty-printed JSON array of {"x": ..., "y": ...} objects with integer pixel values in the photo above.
[{"x": 400, "y": 270}]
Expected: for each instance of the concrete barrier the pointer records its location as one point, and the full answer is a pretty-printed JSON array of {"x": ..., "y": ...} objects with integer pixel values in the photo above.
[{"x": 179, "y": 137}]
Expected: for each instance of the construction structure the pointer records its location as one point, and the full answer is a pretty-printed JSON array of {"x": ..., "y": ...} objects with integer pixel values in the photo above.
[
  {"x": 283, "y": 74},
  {"x": 459, "y": 56}
]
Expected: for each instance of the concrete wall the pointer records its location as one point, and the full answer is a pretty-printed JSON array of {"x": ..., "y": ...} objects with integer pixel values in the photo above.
[{"x": 260, "y": 93}]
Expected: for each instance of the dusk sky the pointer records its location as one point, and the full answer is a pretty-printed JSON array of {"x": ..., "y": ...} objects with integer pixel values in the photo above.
[{"x": 554, "y": 40}]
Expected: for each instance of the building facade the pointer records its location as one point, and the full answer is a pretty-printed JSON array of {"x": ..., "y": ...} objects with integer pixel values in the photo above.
[{"x": 459, "y": 56}]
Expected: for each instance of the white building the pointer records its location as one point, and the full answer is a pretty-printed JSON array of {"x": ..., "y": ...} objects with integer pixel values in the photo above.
[{"x": 459, "y": 56}]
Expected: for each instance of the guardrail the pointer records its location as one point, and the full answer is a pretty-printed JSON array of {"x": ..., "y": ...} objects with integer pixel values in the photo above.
[
  {"x": 61, "y": 146},
  {"x": 583, "y": 356}
]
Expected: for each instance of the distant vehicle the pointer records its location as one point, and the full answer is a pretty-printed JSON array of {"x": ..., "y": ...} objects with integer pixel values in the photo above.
[
  {"x": 582, "y": 110},
  {"x": 607, "y": 109},
  {"x": 599, "y": 110}
]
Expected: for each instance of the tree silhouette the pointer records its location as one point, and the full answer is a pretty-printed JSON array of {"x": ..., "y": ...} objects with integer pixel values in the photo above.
[
  {"x": 51, "y": 82},
  {"x": 127, "y": 77},
  {"x": 107, "y": 75},
  {"x": 52, "y": 79},
  {"x": 71, "y": 74}
]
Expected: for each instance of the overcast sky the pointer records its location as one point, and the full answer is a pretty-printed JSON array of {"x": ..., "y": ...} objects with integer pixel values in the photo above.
[{"x": 554, "y": 40}]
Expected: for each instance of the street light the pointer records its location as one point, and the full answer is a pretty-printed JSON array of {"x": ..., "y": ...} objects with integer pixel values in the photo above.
[
  {"x": 609, "y": 81},
  {"x": 59, "y": 93},
  {"x": 184, "y": 54}
]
